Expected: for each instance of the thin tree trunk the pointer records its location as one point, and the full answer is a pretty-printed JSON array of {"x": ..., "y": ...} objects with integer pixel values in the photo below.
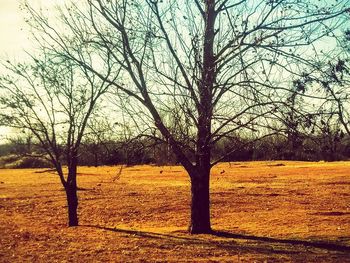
[
  {"x": 71, "y": 192},
  {"x": 200, "y": 204},
  {"x": 72, "y": 201},
  {"x": 96, "y": 158}
]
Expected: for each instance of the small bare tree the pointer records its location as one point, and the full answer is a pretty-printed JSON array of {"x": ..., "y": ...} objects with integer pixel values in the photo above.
[
  {"x": 329, "y": 76},
  {"x": 52, "y": 100}
]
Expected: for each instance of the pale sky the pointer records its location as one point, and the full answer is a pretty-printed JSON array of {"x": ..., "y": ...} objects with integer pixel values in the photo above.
[
  {"x": 14, "y": 34},
  {"x": 13, "y": 31},
  {"x": 12, "y": 39}
]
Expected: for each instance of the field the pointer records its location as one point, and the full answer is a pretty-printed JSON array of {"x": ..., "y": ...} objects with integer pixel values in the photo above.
[{"x": 261, "y": 211}]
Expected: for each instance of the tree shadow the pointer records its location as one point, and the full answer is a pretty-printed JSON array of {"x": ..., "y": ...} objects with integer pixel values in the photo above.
[
  {"x": 231, "y": 242},
  {"x": 144, "y": 234},
  {"x": 314, "y": 244}
]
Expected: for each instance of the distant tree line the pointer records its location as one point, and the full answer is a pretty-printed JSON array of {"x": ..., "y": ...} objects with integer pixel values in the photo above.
[{"x": 329, "y": 144}]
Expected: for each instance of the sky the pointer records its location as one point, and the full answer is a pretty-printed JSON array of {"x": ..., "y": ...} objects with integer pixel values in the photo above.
[
  {"x": 13, "y": 31},
  {"x": 14, "y": 35},
  {"x": 13, "y": 39}
]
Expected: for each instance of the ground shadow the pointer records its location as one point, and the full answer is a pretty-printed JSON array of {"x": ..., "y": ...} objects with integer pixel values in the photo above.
[
  {"x": 315, "y": 244},
  {"x": 233, "y": 242}
]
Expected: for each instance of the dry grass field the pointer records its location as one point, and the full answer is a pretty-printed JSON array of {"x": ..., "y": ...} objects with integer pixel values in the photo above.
[{"x": 261, "y": 211}]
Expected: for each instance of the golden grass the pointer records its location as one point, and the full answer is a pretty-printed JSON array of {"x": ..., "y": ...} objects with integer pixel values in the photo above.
[{"x": 273, "y": 211}]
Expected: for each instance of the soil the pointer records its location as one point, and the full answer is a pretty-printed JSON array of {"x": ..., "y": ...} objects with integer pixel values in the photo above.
[{"x": 276, "y": 211}]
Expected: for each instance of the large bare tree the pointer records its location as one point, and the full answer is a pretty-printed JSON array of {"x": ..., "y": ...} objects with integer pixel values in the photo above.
[
  {"x": 218, "y": 66},
  {"x": 52, "y": 100}
]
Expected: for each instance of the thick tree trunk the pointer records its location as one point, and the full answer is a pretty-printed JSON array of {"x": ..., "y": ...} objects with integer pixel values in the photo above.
[
  {"x": 200, "y": 207},
  {"x": 200, "y": 204}
]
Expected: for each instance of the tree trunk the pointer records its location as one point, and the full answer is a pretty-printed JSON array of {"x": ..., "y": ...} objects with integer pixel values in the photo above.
[
  {"x": 72, "y": 201},
  {"x": 200, "y": 204},
  {"x": 96, "y": 158},
  {"x": 71, "y": 191}
]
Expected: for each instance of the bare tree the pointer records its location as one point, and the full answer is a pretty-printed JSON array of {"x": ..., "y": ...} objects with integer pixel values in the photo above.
[
  {"x": 52, "y": 100},
  {"x": 329, "y": 76},
  {"x": 335, "y": 80},
  {"x": 221, "y": 65}
]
